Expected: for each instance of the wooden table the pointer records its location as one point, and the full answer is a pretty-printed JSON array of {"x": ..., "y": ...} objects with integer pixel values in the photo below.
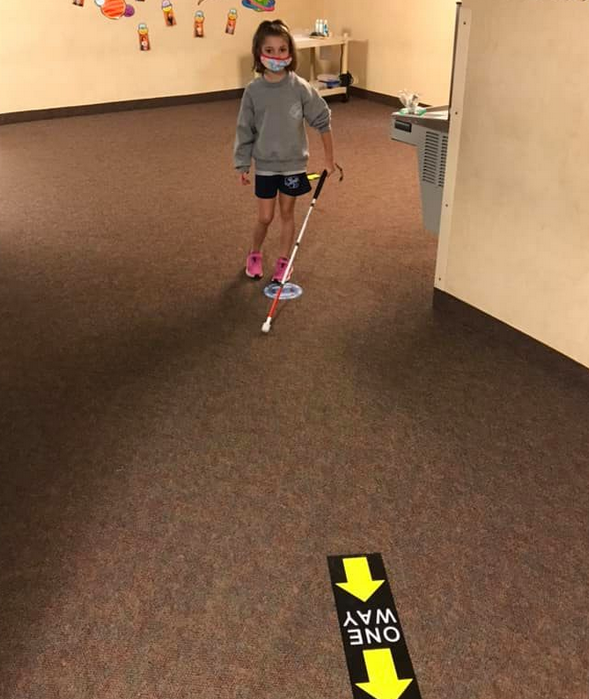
[{"x": 315, "y": 42}]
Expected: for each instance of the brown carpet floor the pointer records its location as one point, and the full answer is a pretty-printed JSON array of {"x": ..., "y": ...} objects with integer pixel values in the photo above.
[{"x": 172, "y": 480}]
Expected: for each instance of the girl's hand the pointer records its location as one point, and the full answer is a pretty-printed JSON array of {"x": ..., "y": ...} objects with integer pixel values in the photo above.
[
  {"x": 330, "y": 167},
  {"x": 245, "y": 178}
]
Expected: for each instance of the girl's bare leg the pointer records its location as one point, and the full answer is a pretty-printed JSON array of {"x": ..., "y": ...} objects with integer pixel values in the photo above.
[
  {"x": 266, "y": 208},
  {"x": 287, "y": 235}
]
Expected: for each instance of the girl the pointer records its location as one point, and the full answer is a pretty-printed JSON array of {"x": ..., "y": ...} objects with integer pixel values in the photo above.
[{"x": 271, "y": 130}]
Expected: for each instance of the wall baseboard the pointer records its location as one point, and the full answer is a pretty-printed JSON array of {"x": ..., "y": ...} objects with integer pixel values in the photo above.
[
  {"x": 522, "y": 344},
  {"x": 127, "y": 105},
  {"x": 157, "y": 102},
  {"x": 390, "y": 100}
]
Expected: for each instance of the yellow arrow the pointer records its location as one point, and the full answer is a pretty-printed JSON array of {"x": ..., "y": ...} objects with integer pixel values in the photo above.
[
  {"x": 360, "y": 583},
  {"x": 384, "y": 682}
]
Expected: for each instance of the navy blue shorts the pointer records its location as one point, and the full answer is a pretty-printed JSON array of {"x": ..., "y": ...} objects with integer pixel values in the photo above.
[{"x": 268, "y": 186}]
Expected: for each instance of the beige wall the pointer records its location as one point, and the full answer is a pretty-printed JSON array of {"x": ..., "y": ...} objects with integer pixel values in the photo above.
[
  {"x": 53, "y": 54},
  {"x": 399, "y": 44},
  {"x": 517, "y": 245}
]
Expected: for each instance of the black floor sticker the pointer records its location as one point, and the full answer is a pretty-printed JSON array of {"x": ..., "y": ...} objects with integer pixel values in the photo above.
[{"x": 377, "y": 655}]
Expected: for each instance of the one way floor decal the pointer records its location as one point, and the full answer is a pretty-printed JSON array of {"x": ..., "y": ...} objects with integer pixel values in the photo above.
[{"x": 375, "y": 648}]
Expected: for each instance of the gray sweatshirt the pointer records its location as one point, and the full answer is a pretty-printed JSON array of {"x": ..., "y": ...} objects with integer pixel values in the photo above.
[{"x": 271, "y": 124}]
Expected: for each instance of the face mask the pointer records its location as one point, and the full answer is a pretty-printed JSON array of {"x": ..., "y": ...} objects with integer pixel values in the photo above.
[{"x": 275, "y": 64}]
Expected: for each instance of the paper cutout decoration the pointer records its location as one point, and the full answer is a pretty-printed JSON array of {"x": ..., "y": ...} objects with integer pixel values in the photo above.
[
  {"x": 231, "y": 21},
  {"x": 144, "y": 43},
  {"x": 169, "y": 16},
  {"x": 78, "y": 3},
  {"x": 199, "y": 24},
  {"x": 112, "y": 9},
  {"x": 259, "y": 5}
]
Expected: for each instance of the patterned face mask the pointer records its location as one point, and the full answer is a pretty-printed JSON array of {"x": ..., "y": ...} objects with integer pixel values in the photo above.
[{"x": 275, "y": 64}]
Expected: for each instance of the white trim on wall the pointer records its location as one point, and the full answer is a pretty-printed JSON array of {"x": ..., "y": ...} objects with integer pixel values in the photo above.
[{"x": 456, "y": 108}]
